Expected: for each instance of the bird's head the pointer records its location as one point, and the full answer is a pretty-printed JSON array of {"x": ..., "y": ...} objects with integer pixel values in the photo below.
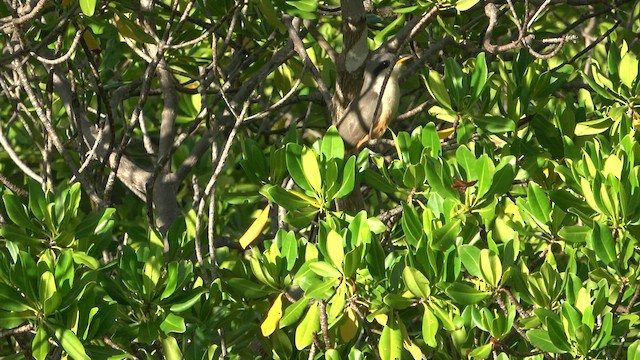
[{"x": 379, "y": 66}]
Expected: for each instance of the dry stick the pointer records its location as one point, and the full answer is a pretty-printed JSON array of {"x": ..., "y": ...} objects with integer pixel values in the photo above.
[
  {"x": 144, "y": 94},
  {"x": 491, "y": 11},
  {"x": 88, "y": 187},
  {"x": 15, "y": 158},
  {"x": 209, "y": 191},
  {"x": 537, "y": 13},
  {"x": 312, "y": 351},
  {"x": 586, "y": 49},
  {"x": 241, "y": 96},
  {"x": 324, "y": 44},
  {"x": 19, "y": 330},
  {"x": 324, "y": 325},
  {"x": 107, "y": 340},
  {"x": 65, "y": 57},
  {"x": 517, "y": 328},
  {"x": 60, "y": 26},
  {"x": 210, "y": 29},
  {"x": 515, "y": 18},
  {"x": 302, "y": 52},
  {"x": 9, "y": 21},
  {"x": 13, "y": 187}
]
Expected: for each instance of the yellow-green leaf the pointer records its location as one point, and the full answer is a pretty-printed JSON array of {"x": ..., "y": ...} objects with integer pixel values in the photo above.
[
  {"x": 311, "y": 169},
  {"x": 270, "y": 323},
  {"x": 309, "y": 325},
  {"x": 628, "y": 69},
  {"x": 256, "y": 228},
  {"x": 335, "y": 248},
  {"x": 349, "y": 327}
]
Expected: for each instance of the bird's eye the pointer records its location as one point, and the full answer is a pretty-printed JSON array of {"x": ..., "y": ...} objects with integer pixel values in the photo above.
[{"x": 381, "y": 67}]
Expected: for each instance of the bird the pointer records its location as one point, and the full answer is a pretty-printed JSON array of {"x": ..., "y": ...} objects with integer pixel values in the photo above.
[{"x": 368, "y": 115}]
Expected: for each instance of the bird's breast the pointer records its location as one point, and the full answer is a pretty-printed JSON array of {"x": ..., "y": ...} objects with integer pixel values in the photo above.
[{"x": 388, "y": 108}]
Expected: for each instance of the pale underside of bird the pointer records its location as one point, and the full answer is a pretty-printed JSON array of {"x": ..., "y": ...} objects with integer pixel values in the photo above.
[{"x": 368, "y": 115}]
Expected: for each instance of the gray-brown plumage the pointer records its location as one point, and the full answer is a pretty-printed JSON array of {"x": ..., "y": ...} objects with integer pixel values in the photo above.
[
  {"x": 368, "y": 115},
  {"x": 363, "y": 118}
]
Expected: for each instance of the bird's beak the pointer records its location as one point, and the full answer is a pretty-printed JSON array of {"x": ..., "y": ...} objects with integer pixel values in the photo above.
[{"x": 403, "y": 58}]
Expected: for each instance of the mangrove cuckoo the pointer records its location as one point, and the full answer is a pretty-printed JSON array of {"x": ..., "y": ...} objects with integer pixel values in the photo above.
[{"x": 368, "y": 115}]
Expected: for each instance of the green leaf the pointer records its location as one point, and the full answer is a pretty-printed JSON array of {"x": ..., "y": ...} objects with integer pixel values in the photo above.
[
  {"x": 293, "y": 312},
  {"x": 309, "y": 325},
  {"x": 540, "y": 339},
  {"x": 88, "y": 7},
  {"x": 16, "y": 211},
  {"x": 268, "y": 11},
  {"x": 289, "y": 249},
  {"x": 335, "y": 248},
  {"x": 628, "y": 69},
  {"x": 479, "y": 76},
  {"x": 348, "y": 178},
  {"x": 464, "y": 5},
  {"x": 481, "y": 352},
  {"x": 572, "y": 317},
  {"x": 430, "y": 326},
  {"x": 248, "y": 288},
  {"x": 383, "y": 34},
  {"x": 396, "y": 301},
  {"x": 605, "y": 93},
  {"x": 470, "y": 257},
  {"x": 465, "y": 294},
  {"x": 414, "y": 176},
  {"x": 445, "y": 317},
  {"x": 322, "y": 290},
  {"x": 445, "y": 236},
  {"x": 294, "y": 165},
  {"x": 575, "y": 234},
  {"x": 352, "y": 261},
  {"x": 12, "y": 319},
  {"x": 494, "y": 124},
  {"x": 431, "y": 140},
  {"x": 311, "y": 169},
  {"x": 128, "y": 28},
  {"x": 254, "y": 161},
  {"x": 332, "y": 146},
  {"x": 40, "y": 344},
  {"x": 485, "y": 170},
  {"x": 416, "y": 282},
  {"x": 11, "y": 299},
  {"x": 173, "y": 323},
  {"x": 633, "y": 352},
  {"x": 436, "y": 88},
  {"x": 49, "y": 296},
  {"x": 602, "y": 243},
  {"x": 390, "y": 345},
  {"x": 70, "y": 343},
  {"x": 538, "y": 203},
  {"x": 411, "y": 224},
  {"x": 325, "y": 269},
  {"x": 503, "y": 176},
  {"x": 378, "y": 182},
  {"x": 491, "y": 267},
  {"x": 557, "y": 335},
  {"x": 177, "y": 274},
  {"x": 82, "y": 258},
  {"x": 285, "y": 198},
  {"x": 467, "y": 161},
  {"x": 189, "y": 298},
  {"x": 37, "y": 200},
  {"x": 171, "y": 348}
]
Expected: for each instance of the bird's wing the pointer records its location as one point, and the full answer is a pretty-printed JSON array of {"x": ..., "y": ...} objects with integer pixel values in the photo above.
[{"x": 357, "y": 121}]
